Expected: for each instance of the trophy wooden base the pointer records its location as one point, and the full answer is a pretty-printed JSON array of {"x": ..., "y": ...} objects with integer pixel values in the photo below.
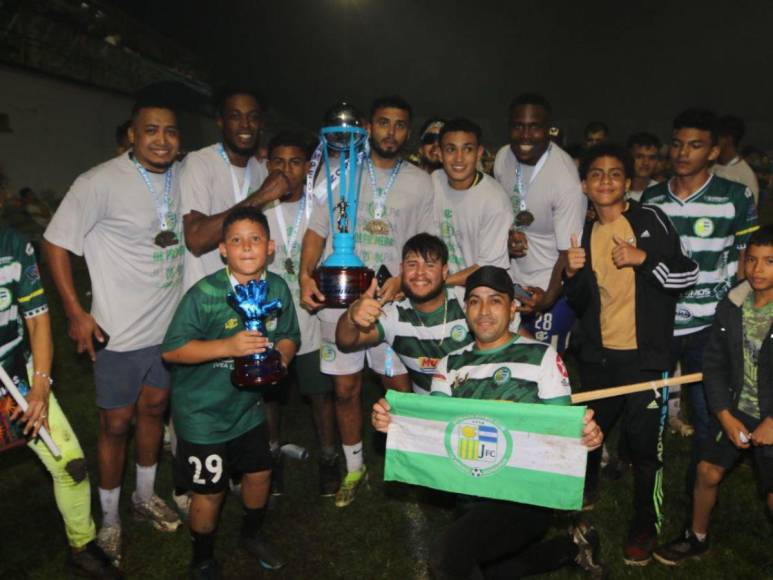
[
  {"x": 342, "y": 286},
  {"x": 249, "y": 372}
]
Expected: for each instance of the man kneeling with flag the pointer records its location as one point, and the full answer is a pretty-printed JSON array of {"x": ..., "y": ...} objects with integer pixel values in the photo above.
[{"x": 492, "y": 538}]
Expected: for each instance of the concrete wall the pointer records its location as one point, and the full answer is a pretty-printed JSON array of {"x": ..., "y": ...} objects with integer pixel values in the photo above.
[{"x": 61, "y": 129}]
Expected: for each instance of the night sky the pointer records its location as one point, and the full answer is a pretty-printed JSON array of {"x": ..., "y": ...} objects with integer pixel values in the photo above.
[{"x": 632, "y": 64}]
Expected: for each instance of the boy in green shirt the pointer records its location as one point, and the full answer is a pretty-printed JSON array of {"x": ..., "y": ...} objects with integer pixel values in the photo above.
[{"x": 221, "y": 428}]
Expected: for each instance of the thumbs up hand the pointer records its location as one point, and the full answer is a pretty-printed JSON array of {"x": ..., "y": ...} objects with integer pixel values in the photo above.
[
  {"x": 626, "y": 253},
  {"x": 365, "y": 311},
  {"x": 575, "y": 257}
]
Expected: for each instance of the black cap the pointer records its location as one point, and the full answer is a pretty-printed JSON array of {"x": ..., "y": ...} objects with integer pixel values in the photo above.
[{"x": 491, "y": 277}]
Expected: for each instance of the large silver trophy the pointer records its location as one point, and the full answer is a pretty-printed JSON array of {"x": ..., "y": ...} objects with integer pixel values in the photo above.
[{"x": 343, "y": 277}]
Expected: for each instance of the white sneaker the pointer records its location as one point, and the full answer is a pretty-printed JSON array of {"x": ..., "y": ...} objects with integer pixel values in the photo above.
[
  {"x": 155, "y": 511},
  {"x": 109, "y": 539}
]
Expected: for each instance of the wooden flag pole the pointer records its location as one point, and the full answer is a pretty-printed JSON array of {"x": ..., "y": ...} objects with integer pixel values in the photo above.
[{"x": 635, "y": 388}]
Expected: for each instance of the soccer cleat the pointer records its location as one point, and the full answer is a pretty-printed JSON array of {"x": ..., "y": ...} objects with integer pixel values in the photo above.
[
  {"x": 638, "y": 549},
  {"x": 586, "y": 538},
  {"x": 155, "y": 511},
  {"x": 349, "y": 486},
  {"x": 277, "y": 473},
  {"x": 183, "y": 503},
  {"x": 264, "y": 551},
  {"x": 329, "y": 476},
  {"x": 92, "y": 562},
  {"x": 109, "y": 541},
  {"x": 683, "y": 548},
  {"x": 206, "y": 570}
]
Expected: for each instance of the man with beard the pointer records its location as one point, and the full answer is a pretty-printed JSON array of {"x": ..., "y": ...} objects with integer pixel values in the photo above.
[
  {"x": 424, "y": 327},
  {"x": 395, "y": 203},
  {"x": 123, "y": 215},
  {"x": 473, "y": 211},
  {"x": 219, "y": 177},
  {"x": 490, "y": 538},
  {"x": 548, "y": 205},
  {"x": 428, "y": 155}
]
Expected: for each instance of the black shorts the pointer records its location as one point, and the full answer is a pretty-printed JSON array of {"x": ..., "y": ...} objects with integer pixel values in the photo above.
[
  {"x": 719, "y": 450},
  {"x": 206, "y": 468}
]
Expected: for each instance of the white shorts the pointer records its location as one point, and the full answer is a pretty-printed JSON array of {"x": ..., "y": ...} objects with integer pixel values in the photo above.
[{"x": 335, "y": 362}]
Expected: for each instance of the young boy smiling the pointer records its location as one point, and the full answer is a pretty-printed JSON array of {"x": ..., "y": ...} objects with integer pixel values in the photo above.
[
  {"x": 622, "y": 279},
  {"x": 221, "y": 428}
]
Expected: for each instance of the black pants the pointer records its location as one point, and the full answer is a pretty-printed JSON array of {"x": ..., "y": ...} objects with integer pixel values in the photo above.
[
  {"x": 643, "y": 419},
  {"x": 493, "y": 539}
]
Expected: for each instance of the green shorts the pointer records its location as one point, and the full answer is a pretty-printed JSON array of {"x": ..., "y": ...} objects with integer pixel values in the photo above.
[{"x": 308, "y": 375}]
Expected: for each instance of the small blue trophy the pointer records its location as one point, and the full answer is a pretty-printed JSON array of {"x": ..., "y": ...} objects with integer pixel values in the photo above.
[
  {"x": 343, "y": 277},
  {"x": 263, "y": 368}
]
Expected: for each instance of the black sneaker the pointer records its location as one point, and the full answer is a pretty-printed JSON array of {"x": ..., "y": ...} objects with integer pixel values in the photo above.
[
  {"x": 277, "y": 473},
  {"x": 586, "y": 538},
  {"x": 207, "y": 570},
  {"x": 638, "y": 549},
  {"x": 682, "y": 548},
  {"x": 92, "y": 562},
  {"x": 329, "y": 476},
  {"x": 264, "y": 551}
]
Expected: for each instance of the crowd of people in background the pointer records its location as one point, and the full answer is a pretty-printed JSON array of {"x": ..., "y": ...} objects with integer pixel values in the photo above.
[{"x": 631, "y": 260}]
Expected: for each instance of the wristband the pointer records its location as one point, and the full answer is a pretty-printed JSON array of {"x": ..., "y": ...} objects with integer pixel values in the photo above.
[{"x": 45, "y": 376}]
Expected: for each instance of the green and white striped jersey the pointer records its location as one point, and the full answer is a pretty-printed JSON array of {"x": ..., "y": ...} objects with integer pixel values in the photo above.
[
  {"x": 714, "y": 225},
  {"x": 420, "y": 339},
  {"x": 521, "y": 371}
]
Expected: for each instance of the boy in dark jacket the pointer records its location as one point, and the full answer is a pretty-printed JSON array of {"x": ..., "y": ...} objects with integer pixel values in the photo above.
[
  {"x": 738, "y": 377},
  {"x": 622, "y": 279}
]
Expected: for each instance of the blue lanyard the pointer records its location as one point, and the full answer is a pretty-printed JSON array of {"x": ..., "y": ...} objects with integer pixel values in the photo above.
[{"x": 160, "y": 201}]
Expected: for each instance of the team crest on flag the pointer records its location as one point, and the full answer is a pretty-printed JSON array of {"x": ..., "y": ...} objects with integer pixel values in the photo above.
[{"x": 478, "y": 446}]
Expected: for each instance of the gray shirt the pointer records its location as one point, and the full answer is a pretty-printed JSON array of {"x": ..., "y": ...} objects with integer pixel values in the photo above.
[
  {"x": 408, "y": 211},
  {"x": 473, "y": 223},
  {"x": 109, "y": 216},
  {"x": 558, "y": 205},
  {"x": 206, "y": 186}
]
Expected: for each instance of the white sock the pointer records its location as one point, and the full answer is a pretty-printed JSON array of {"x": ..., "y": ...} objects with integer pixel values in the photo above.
[
  {"x": 273, "y": 446},
  {"x": 701, "y": 537},
  {"x": 353, "y": 455},
  {"x": 146, "y": 481},
  {"x": 109, "y": 499}
]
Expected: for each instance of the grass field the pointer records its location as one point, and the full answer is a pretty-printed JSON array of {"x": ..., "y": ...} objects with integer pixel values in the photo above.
[{"x": 383, "y": 534}]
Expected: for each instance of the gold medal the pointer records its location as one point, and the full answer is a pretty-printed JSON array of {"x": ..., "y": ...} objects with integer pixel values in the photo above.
[
  {"x": 165, "y": 238},
  {"x": 524, "y": 218},
  {"x": 377, "y": 227}
]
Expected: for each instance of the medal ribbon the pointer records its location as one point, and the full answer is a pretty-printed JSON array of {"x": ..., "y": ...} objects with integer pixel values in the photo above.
[
  {"x": 380, "y": 195},
  {"x": 520, "y": 188},
  {"x": 290, "y": 244},
  {"x": 162, "y": 201},
  {"x": 239, "y": 195}
]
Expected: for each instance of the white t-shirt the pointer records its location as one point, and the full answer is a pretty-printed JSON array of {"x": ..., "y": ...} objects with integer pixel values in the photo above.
[
  {"x": 408, "y": 211},
  {"x": 309, "y": 323},
  {"x": 636, "y": 194},
  {"x": 206, "y": 186},
  {"x": 474, "y": 223},
  {"x": 739, "y": 171},
  {"x": 109, "y": 216},
  {"x": 556, "y": 200}
]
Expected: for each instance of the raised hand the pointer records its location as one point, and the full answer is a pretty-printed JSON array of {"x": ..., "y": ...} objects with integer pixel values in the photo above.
[
  {"x": 364, "y": 312},
  {"x": 626, "y": 254},
  {"x": 575, "y": 257}
]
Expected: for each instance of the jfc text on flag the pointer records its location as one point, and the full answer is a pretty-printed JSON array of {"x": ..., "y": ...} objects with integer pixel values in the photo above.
[{"x": 528, "y": 453}]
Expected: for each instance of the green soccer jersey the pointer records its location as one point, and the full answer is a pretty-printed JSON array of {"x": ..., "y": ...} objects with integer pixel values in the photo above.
[
  {"x": 521, "y": 371},
  {"x": 714, "y": 225},
  {"x": 756, "y": 324},
  {"x": 421, "y": 339},
  {"x": 206, "y": 406},
  {"x": 21, "y": 297}
]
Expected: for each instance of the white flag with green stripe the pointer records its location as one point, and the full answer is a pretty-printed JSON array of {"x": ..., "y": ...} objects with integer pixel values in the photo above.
[{"x": 528, "y": 453}]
